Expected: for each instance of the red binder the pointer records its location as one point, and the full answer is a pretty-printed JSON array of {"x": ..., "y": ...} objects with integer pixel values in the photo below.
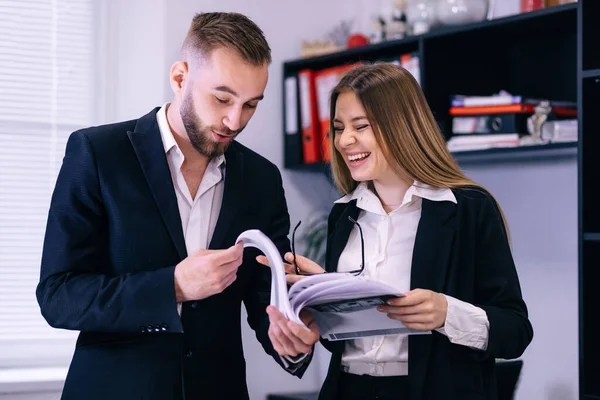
[
  {"x": 309, "y": 117},
  {"x": 325, "y": 81}
]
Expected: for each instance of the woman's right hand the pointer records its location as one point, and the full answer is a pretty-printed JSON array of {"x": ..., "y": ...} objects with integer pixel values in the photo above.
[{"x": 305, "y": 265}]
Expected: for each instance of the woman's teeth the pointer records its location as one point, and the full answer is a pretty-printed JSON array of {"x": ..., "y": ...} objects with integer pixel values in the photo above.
[{"x": 356, "y": 157}]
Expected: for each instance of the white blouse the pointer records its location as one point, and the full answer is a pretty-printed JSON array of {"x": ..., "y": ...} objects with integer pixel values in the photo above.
[{"x": 389, "y": 243}]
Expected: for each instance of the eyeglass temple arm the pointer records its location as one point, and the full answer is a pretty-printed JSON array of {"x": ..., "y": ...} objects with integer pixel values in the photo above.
[{"x": 362, "y": 241}]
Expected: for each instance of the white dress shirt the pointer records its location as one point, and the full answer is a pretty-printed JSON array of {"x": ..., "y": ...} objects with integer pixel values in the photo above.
[
  {"x": 389, "y": 243},
  {"x": 199, "y": 214}
]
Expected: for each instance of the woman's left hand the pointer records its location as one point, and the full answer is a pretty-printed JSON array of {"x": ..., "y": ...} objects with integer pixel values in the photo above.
[{"x": 419, "y": 309}]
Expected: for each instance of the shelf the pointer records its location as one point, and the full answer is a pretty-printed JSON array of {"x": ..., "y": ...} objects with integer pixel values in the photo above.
[
  {"x": 511, "y": 53},
  {"x": 535, "y": 152},
  {"x": 591, "y": 73},
  {"x": 372, "y": 52},
  {"x": 591, "y": 237},
  {"x": 590, "y": 31},
  {"x": 530, "y": 23},
  {"x": 589, "y": 162},
  {"x": 547, "y": 21}
]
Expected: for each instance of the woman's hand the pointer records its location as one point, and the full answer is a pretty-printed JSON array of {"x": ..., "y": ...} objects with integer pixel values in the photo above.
[
  {"x": 419, "y": 309},
  {"x": 305, "y": 265}
]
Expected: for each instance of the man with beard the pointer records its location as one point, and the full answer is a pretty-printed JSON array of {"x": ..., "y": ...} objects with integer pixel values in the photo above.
[{"x": 140, "y": 253}]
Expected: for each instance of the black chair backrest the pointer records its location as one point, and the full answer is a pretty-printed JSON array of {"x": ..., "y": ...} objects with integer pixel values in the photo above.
[{"x": 507, "y": 375}]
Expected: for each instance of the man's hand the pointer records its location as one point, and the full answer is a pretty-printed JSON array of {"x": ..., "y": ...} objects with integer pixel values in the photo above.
[
  {"x": 207, "y": 272},
  {"x": 419, "y": 309},
  {"x": 289, "y": 338},
  {"x": 305, "y": 265}
]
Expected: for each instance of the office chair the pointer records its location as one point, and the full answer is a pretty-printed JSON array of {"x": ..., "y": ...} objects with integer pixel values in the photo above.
[{"x": 507, "y": 378}]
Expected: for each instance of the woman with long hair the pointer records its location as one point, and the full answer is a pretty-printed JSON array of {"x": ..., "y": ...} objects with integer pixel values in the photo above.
[{"x": 429, "y": 231}]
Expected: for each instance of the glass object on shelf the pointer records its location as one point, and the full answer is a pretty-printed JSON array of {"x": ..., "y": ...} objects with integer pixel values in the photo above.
[
  {"x": 457, "y": 12},
  {"x": 397, "y": 25},
  {"x": 420, "y": 15},
  {"x": 560, "y": 131}
]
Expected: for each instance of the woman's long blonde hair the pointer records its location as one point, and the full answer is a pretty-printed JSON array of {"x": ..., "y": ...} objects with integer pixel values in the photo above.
[{"x": 404, "y": 128}]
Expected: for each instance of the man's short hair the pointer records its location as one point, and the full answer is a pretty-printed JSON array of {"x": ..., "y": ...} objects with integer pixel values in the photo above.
[{"x": 234, "y": 31}]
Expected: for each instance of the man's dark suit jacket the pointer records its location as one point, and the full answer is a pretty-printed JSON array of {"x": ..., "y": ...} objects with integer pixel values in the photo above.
[
  {"x": 113, "y": 239},
  {"x": 460, "y": 250}
]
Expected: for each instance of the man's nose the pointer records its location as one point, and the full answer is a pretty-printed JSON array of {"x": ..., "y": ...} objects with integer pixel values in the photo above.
[{"x": 233, "y": 119}]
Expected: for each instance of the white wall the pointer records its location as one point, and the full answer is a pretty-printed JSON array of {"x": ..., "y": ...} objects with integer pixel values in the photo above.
[
  {"x": 539, "y": 199},
  {"x": 50, "y": 395},
  {"x": 135, "y": 57}
]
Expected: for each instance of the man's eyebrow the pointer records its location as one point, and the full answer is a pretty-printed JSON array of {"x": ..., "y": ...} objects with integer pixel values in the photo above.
[{"x": 232, "y": 92}]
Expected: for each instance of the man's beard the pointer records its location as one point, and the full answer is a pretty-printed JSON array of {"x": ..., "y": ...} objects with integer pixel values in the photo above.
[{"x": 201, "y": 135}]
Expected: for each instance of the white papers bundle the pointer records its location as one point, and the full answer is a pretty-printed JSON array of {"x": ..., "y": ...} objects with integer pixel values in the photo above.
[{"x": 343, "y": 305}]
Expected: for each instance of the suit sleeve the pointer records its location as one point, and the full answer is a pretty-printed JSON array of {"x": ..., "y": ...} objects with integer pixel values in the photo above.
[
  {"x": 257, "y": 298},
  {"x": 75, "y": 290},
  {"x": 498, "y": 291}
]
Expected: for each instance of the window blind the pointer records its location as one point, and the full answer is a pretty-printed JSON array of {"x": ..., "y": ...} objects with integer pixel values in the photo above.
[{"x": 47, "y": 70}]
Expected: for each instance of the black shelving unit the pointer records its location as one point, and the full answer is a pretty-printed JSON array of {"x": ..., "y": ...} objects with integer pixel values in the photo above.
[
  {"x": 533, "y": 153},
  {"x": 534, "y": 54},
  {"x": 588, "y": 88},
  {"x": 591, "y": 237},
  {"x": 591, "y": 73}
]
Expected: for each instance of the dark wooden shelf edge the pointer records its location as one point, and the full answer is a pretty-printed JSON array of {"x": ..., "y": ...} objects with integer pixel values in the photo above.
[
  {"x": 352, "y": 53},
  {"x": 502, "y": 153},
  {"x": 514, "y": 153},
  {"x": 591, "y": 237},
  {"x": 591, "y": 73}
]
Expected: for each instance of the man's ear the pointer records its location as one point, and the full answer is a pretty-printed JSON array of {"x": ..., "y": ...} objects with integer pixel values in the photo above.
[{"x": 178, "y": 76}]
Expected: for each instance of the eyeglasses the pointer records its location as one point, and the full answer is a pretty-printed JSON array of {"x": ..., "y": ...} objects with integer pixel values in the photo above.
[{"x": 362, "y": 251}]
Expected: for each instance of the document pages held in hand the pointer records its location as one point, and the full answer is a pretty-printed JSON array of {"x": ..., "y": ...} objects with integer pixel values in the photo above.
[{"x": 343, "y": 305}]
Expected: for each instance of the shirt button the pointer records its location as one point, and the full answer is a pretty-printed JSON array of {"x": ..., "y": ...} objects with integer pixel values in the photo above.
[
  {"x": 188, "y": 353},
  {"x": 143, "y": 328},
  {"x": 194, "y": 304},
  {"x": 150, "y": 328},
  {"x": 165, "y": 327},
  {"x": 157, "y": 328}
]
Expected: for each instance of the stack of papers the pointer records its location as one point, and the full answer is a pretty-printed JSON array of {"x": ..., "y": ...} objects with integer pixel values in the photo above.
[{"x": 343, "y": 305}]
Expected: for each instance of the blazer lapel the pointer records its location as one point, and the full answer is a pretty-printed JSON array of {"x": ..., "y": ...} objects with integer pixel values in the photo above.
[
  {"x": 337, "y": 239},
  {"x": 149, "y": 149},
  {"x": 431, "y": 255},
  {"x": 232, "y": 195}
]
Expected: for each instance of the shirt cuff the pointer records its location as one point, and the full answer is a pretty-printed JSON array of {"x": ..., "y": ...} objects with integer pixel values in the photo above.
[
  {"x": 292, "y": 364},
  {"x": 466, "y": 324}
]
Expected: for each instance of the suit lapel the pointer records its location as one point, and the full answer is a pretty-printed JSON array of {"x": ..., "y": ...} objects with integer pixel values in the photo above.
[
  {"x": 431, "y": 255},
  {"x": 338, "y": 238},
  {"x": 232, "y": 195},
  {"x": 149, "y": 149}
]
